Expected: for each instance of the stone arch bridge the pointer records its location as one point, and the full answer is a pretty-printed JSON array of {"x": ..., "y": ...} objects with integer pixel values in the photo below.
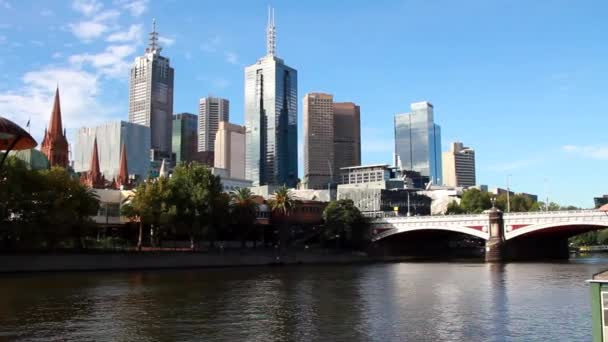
[{"x": 507, "y": 235}]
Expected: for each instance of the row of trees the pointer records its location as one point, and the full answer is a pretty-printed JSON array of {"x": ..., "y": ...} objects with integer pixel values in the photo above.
[
  {"x": 476, "y": 201},
  {"x": 48, "y": 208}
]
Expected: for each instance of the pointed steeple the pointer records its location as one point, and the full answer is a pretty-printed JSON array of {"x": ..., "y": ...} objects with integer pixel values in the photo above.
[
  {"x": 123, "y": 173},
  {"x": 270, "y": 34},
  {"x": 55, "y": 144},
  {"x": 163, "y": 169},
  {"x": 93, "y": 178},
  {"x": 56, "y": 127}
]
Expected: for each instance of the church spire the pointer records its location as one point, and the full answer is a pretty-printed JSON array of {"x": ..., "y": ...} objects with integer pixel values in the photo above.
[
  {"x": 123, "y": 172},
  {"x": 56, "y": 127},
  {"x": 270, "y": 33},
  {"x": 93, "y": 178}
]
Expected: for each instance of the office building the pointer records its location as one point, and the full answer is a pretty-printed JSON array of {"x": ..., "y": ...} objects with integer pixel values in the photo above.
[
  {"x": 418, "y": 141},
  {"x": 55, "y": 144},
  {"x": 184, "y": 137},
  {"x": 230, "y": 149},
  {"x": 110, "y": 138},
  {"x": 211, "y": 111},
  {"x": 332, "y": 139},
  {"x": 459, "y": 166},
  {"x": 151, "y": 96},
  {"x": 271, "y": 119},
  {"x": 347, "y": 135},
  {"x": 318, "y": 140}
]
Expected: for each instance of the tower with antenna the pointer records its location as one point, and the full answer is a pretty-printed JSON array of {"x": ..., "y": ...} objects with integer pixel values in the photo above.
[
  {"x": 153, "y": 46},
  {"x": 271, "y": 117}
]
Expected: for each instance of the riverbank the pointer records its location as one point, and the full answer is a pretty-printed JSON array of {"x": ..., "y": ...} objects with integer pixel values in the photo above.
[{"x": 98, "y": 261}]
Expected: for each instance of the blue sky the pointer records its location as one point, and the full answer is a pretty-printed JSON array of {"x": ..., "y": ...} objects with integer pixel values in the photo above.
[{"x": 521, "y": 82}]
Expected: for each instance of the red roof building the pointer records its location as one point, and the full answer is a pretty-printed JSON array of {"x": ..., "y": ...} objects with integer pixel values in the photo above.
[{"x": 55, "y": 144}]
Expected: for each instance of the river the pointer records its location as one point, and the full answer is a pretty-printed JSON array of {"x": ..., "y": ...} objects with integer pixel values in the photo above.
[{"x": 445, "y": 301}]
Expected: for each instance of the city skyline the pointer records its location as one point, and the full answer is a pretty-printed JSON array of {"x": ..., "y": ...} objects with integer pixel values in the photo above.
[{"x": 535, "y": 96}]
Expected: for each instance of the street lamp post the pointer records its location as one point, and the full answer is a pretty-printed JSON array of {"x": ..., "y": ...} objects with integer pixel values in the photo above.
[{"x": 508, "y": 194}]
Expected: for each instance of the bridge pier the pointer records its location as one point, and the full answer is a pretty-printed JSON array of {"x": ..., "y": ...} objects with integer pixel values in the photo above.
[{"x": 496, "y": 244}]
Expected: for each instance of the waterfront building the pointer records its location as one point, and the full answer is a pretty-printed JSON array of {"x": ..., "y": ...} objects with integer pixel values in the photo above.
[
  {"x": 184, "y": 144},
  {"x": 318, "y": 140},
  {"x": 418, "y": 141},
  {"x": 55, "y": 144},
  {"x": 271, "y": 118},
  {"x": 229, "y": 149},
  {"x": 93, "y": 177},
  {"x": 230, "y": 183},
  {"x": 151, "y": 96},
  {"x": 211, "y": 111},
  {"x": 600, "y": 201},
  {"x": 111, "y": 137},
  {"x": 459, "y": 166},
  {"x": 332, "y": 139},
  {"x": 347, "y": 135}
]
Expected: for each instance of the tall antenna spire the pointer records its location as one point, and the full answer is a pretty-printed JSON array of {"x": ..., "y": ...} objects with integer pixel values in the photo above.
[
  {"x": 153, "y": 45},
  {"x": 271, "y": 33}
]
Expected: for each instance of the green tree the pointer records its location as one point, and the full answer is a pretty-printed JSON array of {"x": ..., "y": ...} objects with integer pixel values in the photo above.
[
  {"x": 282, "y": 204},
  {"x": 475, "y": 201},
  {"x": 454, "y": 208},
  {"x": 244, "y": 210},
  {"x": 344, "y": 221}
]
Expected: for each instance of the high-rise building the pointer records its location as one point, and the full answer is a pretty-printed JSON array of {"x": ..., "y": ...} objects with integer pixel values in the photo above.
[
  {"x": 151, "y": 95},
  {"x": 110, "y": 139},
  {"x": 55, "y": 144},
  {"x": 418, "y": 142},
  {"x": 211, "y": 111},
  {"x": 347, "y": 135},
  {"x": 271, "y": 118},
  {"x": 230, "y": 149},
  {"x": 184, "y": 137},
  {"x": 318, "y": 140},
  {"x": 459, "y": 166},
  {"x": 332, "y": 139}
]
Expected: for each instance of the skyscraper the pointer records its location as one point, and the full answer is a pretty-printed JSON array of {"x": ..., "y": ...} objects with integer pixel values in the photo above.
[
  {"x": 347, "y": 136},
  {"x": 318, "y": 140},
  {"x": 418, "y": 141},
  {"x": 271, "y": 118},
  {"x": 55, "y": 144},
  {"x": 459, "y": 166},
  {"x": 230, "y": 149},
  {"x": 332, "y": 139},
  {"x": 211, "y": 111},
  {"x": 151, "y": 95},
  {"x": 184, "y": 137}
]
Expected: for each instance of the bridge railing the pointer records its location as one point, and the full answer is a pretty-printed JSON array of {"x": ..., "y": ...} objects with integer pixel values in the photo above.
[
  {"x": 554, "y": 212},
  {"x": 466, "y": 217}
]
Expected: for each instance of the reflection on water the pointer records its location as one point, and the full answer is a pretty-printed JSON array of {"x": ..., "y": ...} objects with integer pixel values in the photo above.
[{"x": 380, "y": 302}]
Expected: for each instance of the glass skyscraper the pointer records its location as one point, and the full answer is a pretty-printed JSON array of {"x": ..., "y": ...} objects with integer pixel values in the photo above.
[
  {"x": 151, "y": 95},
  {"x": 418, "y": 142},
  {"x": 271, "y": 116},
  {"x": 184, "y": 137}
]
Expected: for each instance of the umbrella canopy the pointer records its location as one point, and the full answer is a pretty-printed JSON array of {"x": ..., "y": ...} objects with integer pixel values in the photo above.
[{"x": 14, "y": 137}]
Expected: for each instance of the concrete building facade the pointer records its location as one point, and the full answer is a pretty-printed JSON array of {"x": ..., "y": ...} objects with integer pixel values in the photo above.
[
  {"x": 151, "y": 96},
  {"x": 459, "y": 166},
  {"x": 229, "y": 148},
  {"x": 110, "y": 138},
  {"x": 211, "y": 111}
]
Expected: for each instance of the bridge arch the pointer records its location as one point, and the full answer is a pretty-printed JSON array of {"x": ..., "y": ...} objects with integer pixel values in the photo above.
[
  {"x": 479, "y": 233},
  {"x": 571, "y": 228}
]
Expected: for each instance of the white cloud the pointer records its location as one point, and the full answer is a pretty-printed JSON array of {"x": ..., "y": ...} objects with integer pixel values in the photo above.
[
  {"x": 232, "y": 58},
  {"x": 166, "y": 41},
  {"x": 599, "y": 152},
  {"x": 94, "y": 27},
  {"x": 135, "y": 7},
  {"x": 86, "y": 7},
  {"x": 134, "y": 34},
  {"x": 112, "y": 62},
  {"x": 33, "y": 100}
]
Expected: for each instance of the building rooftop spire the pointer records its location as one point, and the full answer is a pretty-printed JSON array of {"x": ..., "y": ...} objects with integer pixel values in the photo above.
[
  {"x": 123, "y": 172},
  {"x": 56, "y": 127},
  {"x": 94, "y": 170},
  {"x": 153, "y": 45},
  {"x": 271, "y": 33}
]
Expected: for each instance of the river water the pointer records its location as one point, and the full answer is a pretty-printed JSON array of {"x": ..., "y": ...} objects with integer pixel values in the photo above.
[{"x": 448, "y": 301}]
